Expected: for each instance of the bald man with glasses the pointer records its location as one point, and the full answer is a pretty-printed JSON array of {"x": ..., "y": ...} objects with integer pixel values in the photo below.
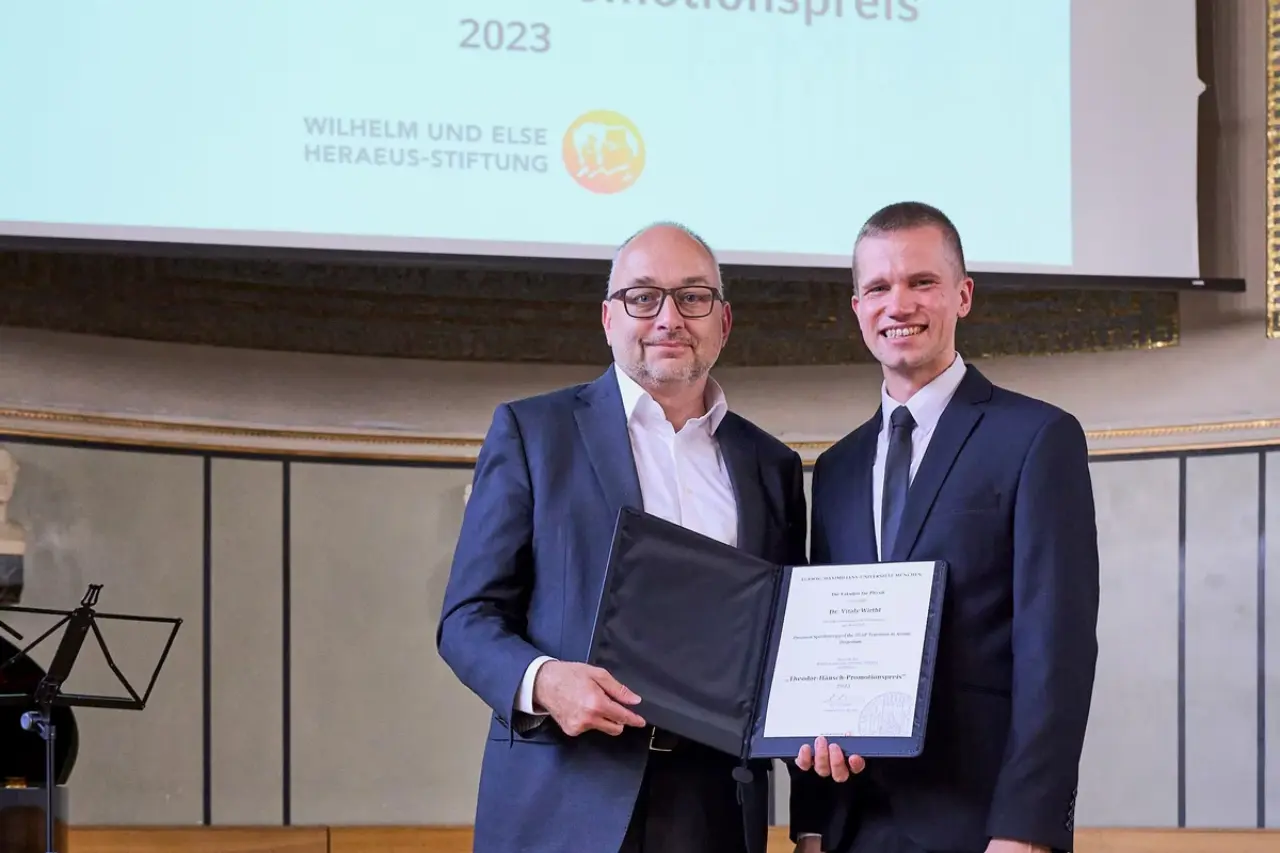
[{"x": 568, "y": 764}]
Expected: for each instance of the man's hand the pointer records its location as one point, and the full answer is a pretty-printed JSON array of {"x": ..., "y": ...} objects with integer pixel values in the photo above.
[
  {"x": 809, "y": 844},
  {"x": 581, "y": 698},
  {"x": 829, "y": 760},
  {"x": 1000, "y": 845}
]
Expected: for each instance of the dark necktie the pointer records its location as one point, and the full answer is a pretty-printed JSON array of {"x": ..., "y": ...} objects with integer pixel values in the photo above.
[{"x": 897, "y": 478}]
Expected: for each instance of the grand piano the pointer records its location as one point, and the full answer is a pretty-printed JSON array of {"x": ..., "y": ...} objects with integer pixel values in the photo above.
[{"x": 22, "y": 759}]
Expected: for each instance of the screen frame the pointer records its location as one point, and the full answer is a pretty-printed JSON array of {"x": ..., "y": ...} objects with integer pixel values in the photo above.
[{"x": 744, "y": 273}]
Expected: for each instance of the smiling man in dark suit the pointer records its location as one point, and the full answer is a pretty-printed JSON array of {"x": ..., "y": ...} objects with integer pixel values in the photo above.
[
  {"x": 569, "y": 767},
  {"x": 996, "y": 484}
]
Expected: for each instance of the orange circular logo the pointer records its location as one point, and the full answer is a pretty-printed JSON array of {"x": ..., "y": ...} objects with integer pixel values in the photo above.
[{"x": 603, "y": 151}]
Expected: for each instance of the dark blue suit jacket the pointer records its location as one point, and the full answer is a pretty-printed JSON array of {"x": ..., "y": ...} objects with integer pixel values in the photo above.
[
  {"x": 1004, "y": 496},
  {"x": 550, "y": 480}
]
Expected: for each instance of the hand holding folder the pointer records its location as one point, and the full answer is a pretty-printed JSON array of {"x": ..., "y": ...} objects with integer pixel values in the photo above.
[
  {"x": 828, "y": 759},
  {"x": 758, "y": 660},
  {"x": 582, "y": 698}
]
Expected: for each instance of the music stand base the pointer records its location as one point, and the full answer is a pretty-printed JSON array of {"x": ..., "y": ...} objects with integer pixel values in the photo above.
[{"x": 22, "y": 820}]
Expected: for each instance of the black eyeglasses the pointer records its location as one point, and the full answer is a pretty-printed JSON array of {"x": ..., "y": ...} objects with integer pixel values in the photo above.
[{"x": 645, "y": 301}]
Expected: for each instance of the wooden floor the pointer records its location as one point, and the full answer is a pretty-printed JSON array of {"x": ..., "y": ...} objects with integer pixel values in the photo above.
[{"x": 350, "y": 839}]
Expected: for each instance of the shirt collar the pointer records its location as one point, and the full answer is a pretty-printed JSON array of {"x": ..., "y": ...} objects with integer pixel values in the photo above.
[
  {"x": 927, "y": 404},
  {"x": 635, "y": 397}
]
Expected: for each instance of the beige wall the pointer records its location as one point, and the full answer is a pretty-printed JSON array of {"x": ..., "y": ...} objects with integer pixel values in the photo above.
[
  {"x": 379, "y": 731},
  {"x": 1235, "y": 243}
]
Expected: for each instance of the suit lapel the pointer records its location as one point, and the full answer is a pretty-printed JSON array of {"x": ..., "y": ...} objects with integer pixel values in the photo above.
[
  {"x": 743, "y": 463},
  {"x": 602, "y": 423},
  {"x": 954, "y": 428},
  {"x": 854, "y": 522}
]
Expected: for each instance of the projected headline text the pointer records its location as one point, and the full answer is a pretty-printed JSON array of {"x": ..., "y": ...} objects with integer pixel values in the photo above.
[
  {"x": 905, "y": 11},
  {"x": 536, "y": 37}
]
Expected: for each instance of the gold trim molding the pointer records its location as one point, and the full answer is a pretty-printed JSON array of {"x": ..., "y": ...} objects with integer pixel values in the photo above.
[
  {"x": 156, "y": 433},
  {"x": 1273, "y": 169},
  {"x": 188, "y": 436}
]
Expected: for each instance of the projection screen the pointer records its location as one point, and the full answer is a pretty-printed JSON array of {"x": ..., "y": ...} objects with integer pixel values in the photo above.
[{"x": 1059, "y": 135}]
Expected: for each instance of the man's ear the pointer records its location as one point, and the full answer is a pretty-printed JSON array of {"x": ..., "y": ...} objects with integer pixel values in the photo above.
[{"x": 966, "y": 296}]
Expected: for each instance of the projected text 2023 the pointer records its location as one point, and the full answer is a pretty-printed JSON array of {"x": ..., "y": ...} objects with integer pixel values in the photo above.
[{"x": 515, "y": 36}]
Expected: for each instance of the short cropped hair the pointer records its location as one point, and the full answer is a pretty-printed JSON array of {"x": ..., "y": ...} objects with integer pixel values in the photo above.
[
  {"x": 684, "y": 229},
  {"x": 905, "y": 215}
]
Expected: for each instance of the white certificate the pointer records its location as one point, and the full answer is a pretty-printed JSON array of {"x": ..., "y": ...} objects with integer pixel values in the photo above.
[{"x": 850, "y": 651}]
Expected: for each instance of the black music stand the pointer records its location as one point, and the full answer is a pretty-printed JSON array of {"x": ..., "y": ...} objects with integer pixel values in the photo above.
[{"x": 48, "y": 692}]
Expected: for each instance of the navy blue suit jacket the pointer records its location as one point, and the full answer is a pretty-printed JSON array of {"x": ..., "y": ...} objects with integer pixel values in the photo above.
[
  {"x": 551, "y": 477},
  {"x": 1003, "y": 495}
]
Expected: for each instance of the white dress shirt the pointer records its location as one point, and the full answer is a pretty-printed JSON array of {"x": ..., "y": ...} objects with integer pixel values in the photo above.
[
  {"x": 683, "y": 478},
  {"x": 926, "y": 407}
]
